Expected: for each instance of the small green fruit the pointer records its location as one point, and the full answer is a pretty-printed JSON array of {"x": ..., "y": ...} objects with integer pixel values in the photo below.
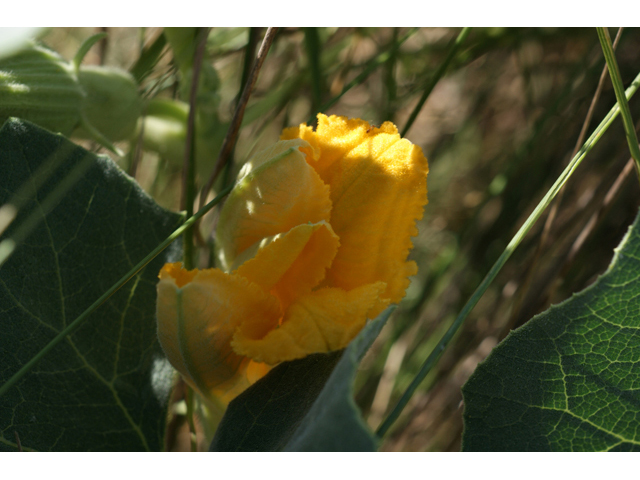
[
  {"x": 38, "y": 85},
  {"x": 112, "y": 104}
]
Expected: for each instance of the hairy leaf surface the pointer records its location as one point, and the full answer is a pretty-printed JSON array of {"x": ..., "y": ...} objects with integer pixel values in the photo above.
[
  {"x": 568, "y": 380},
  {"x": 105, "y": 387}
]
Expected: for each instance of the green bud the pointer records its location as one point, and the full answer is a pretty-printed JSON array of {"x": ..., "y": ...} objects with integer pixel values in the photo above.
[
  {"x": 36, "y": 84},
  {"x": 112, "y": 104},
  {"x": 100, "y": 103},
  {"x": 165, "y": 129}
]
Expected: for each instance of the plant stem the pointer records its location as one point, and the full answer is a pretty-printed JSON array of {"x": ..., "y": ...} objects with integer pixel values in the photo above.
[
  {"x": 249, "y": 55},
  {"x": 513, "y": 244},
  {"x": 236, "y": 121},
  {"x": 192, "y": 427},
  {"x": 616, "y": 79},
  {"x": 390, "y": 79},
  {"x": 546, "y": 229},
  {"x": 313, "y": 48},
  {"x": 189, "y": 169},
  {"x": 84, "y": 49}
]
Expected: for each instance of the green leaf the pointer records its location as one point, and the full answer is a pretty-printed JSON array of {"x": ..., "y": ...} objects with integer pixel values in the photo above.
[
  {"x": 148, "y": 59},
  {"x": 106, "y": 386},
  {"x": 569, "y": 379},
  {"x": 303, "y": 405}
]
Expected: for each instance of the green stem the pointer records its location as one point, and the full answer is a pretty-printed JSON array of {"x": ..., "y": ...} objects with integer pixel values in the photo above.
[
  {"x": 96, "y": 135},
  {"x": 192, "y": 427},
  {"x": 249, "y": 55},
  {"x": 312, "y": 45},
  {"x": 515, "y": 241},
  {"x": 436, "y": 78},
  {"x": 616, "y": 79},
  {"x": 390, "y": 79},
  {"x": 84, "y": 49},
  {"x": 128, "y": 276},
  {"x": 189, "y": 168}
]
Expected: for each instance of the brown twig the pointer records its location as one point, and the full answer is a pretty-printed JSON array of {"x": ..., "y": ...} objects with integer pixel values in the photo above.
[
  {"x": 611, "y": 195},
  {"x": 238, "y": 115},
  {"x": 15, "y": 432},
  {"x": 102, "y": 52},
  {"x": 573, "y": 227},
  {"x": 137, "y": 150},
  {"x": 553, "y": 212}
]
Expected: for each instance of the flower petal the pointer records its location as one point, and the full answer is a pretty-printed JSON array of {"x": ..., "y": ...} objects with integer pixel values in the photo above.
[
  {"x": 378, "y": 190},
  {"x": 322, "y": 321},
  {"x": 198, "y": 313},
  {"x": 280, "y": 192},
  {"x": 291, "y": 264},
  {"x": 312, "y": 147}
]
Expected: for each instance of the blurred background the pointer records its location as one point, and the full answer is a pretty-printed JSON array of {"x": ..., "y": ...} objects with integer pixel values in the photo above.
[{"x": 497, "y": 128}]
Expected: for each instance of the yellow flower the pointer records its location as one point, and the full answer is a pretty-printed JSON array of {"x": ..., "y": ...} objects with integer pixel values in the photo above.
[{"x": 312, "y": 241}]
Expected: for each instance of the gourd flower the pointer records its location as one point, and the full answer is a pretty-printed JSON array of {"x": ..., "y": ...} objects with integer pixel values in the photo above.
[{"x": 312, "y": 241}]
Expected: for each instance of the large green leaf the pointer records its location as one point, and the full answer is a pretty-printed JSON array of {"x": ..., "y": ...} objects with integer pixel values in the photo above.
[
  {"x": 568, "y": 380},
  {"x": 105, "y": 387},
  {"x": 304, "y": 405}
]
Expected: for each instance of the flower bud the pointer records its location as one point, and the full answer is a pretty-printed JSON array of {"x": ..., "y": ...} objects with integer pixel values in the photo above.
[
  {"x": 36, "y": 84},
  {"x": 313, "y": 241},
  {"x": 112, "y": 103}
]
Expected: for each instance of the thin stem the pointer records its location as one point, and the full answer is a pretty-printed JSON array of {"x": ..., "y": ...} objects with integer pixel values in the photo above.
[
  {"x": 453, "y": 49},
  {"x": 249, "y": 55},
  {"x": 192, "y": 427},
  {"x": 390, "y": 79},
  {"x": 553, "y": 211},
  {"x": 97, "y": 136},
  {"x": 616, "y": 79},
  {"x": 135, "y": 147},
  {"x": 312, "y": 45},
  {"x": 513, "y": 244},
  {"x": 114, "y": 288},
  {"x": 236, "y": 122},
  {"x": 606, "y": 205},
  {"x": 104, "y": 43},
  {"x": 85, "y": 47},
  {"x": 188, "y": 168}
]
